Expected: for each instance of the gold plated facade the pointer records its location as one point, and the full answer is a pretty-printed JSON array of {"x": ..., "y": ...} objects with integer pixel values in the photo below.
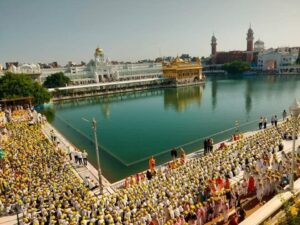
[{"x": 183, "y": 71}]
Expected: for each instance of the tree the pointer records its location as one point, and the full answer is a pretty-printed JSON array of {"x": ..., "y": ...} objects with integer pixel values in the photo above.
[
  {"x": 56, "y": 80},
  {"x": 21, "y": 85},
  {"x": 236, "y": 67},
  {"x": 40, "y": 94},
  {"x": 49, "y": 113}
]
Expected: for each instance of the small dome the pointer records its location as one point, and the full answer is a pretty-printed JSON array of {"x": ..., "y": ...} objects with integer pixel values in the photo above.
[
  {"x": 26, "y": 66},
  {"x": 259, "y": 42},
  {"x": 177, "y": 59}
]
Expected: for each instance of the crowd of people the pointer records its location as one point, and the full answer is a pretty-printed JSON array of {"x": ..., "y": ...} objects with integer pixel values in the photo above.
[
  {"x": 15, "y": 114},
  {"x": 36, "y": 177}
]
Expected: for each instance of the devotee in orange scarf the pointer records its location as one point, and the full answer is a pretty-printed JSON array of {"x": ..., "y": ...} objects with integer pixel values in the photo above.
[{"x": 152, "y": 164}]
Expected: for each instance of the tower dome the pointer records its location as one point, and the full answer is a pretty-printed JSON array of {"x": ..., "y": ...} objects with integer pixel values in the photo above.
[
  {"x": 259, "y": 42},
  {"x": 99, "y": 56},
  {"x": 213, "y": 38},
  {"x": 99, "y": 51},
  {"x": 250, "y": 31}
]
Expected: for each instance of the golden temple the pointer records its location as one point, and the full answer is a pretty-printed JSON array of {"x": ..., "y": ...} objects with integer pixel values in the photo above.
[{"x": 183, "y": 72}]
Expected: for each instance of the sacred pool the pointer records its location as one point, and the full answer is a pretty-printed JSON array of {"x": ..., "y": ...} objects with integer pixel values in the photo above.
[{"x": 133, "y": 126}]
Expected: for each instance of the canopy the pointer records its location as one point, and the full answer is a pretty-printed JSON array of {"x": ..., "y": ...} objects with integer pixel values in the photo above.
[{"x": 16, "y": 101}]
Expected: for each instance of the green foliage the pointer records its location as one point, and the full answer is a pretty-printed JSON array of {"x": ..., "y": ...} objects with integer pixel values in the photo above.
[
  {"x": 21, "y": 85},
  {"x": 236, "y": 67},
  {"x": 40, "y": 94},
  {"x": 56, "y": 80},
  {"x": 49, "y": 113}
]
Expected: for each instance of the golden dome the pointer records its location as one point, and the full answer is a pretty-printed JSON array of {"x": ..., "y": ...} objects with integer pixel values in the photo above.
[
  {"x": 177, "y": 59},
  {"x": 99, "y": 50}
]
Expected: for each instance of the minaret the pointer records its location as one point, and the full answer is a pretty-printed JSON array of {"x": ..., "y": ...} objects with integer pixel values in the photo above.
[
  {"x": 250, "y": 39},
  {"x": 213, "y": 45},
  {"x": 98, "y": 67}
]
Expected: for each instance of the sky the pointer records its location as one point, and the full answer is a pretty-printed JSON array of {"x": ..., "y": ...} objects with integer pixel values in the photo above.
[{"x": 34, "y": 31}]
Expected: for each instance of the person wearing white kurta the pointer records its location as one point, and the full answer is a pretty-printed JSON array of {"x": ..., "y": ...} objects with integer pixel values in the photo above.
[
  {"x": 259, "y": 193},
  {"x": 225, "y": 211}
]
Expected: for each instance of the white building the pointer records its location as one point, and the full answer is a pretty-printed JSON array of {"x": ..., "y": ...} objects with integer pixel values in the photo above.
[
  {"x": 101, "y": 69},
  {"x": 104, "y": 70},
  {"x": 281, "y": 60},
  {"x": 25, "y": 68},
  {"x": 1, "y": 70},
  {"x": 77, "y": 74},
  {"x": 98, "y": 70}
]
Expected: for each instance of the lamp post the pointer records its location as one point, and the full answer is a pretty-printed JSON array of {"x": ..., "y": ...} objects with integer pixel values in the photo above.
[
  {"x": 94, "y": 127},
  {"x": 295, "y": 111}
]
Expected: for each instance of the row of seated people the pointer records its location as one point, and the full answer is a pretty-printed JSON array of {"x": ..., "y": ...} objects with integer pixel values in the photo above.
[{"x": 37, "y": 177}]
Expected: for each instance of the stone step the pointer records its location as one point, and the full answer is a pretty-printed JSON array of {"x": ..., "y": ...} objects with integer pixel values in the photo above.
[{"x": 10, "y": 220}]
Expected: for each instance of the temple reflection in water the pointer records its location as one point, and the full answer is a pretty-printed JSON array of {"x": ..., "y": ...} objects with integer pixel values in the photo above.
[
  {"x": 180, "y": 98},
  {"x": 248, "y": 94}
]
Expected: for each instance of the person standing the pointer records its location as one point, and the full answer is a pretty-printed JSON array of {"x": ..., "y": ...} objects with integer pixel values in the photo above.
[
  {"x": 205, "y": 146},
  {"x": 208, "y": 145},
  {"x": 251, "y": 185},
  {"x": 284, "y": 114},
  {"x": 211, "y": 144},
  {"x": 152, "y": 164},
  {"x": 260, "y": 124},
  {"x": 84, "y": 156},
  {"x": 75, "y": 153},
  {"x": 275, "y": 121},
  {"x": 79, "y": 154},
  {"x": 265, "y": 122},
  {"x": 259, "y": 192},
  {"x": 174, "y": 154}
]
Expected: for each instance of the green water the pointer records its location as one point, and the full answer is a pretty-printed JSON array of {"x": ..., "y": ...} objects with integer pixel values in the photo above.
[{"x": 134, "y": 126}]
